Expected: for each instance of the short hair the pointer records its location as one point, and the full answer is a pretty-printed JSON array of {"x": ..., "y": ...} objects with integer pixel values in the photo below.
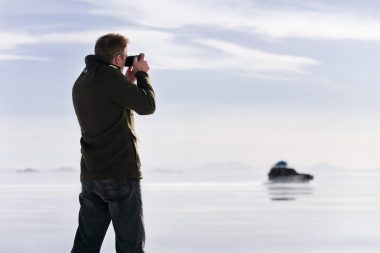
[{"x": 110, "y": 45}]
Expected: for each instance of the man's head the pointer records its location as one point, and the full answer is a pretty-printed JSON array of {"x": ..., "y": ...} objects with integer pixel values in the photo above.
[{"x": 112, "y": 48}]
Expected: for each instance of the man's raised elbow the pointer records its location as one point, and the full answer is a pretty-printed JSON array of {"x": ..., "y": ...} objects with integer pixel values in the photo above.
[{"x": 148, "y": 110}]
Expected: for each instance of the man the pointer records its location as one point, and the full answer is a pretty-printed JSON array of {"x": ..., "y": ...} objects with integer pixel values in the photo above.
[{"x": 104, "y": 100}]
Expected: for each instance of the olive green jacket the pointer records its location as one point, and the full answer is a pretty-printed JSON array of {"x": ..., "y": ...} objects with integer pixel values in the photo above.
[{"x": 104, "y": 101}]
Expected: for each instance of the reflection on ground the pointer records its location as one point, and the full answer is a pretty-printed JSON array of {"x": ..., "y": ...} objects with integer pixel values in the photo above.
[{"x": 288, "y": 191}]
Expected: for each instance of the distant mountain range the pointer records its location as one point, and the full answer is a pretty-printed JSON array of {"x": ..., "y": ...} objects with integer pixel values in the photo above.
[
  {"x": 62, "y": 169},
  {"x": 65, "y": 169},
  {"x": 27, "y": 170},
  {"x": 218, "y": 171}
]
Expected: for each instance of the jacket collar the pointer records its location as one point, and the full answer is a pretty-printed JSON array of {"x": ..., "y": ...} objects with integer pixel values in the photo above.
[{"x": 92, "y": 60}]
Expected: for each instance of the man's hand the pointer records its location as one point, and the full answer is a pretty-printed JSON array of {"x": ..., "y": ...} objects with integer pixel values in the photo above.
[
  {"x": 130, "y": 75},
  {"x": 140, "y": 65}
]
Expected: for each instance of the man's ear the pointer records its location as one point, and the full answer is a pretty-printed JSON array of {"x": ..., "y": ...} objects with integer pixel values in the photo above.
[
  {"x": 119, "y": 59},
  {"x": 114, "y": 60}
]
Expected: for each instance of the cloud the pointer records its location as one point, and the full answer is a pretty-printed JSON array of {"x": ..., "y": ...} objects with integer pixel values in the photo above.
[
  {"x": 11, "y": 41},
  {"x": 248, "y": 60},
  {"x": 22, "y": 8},
  {"x": 11, "y": 57},
  {"x": 316, "y": 25},
  {"x": 165, "y": 51},
  {"x": 151, "y": 29},
  {"x": 312, "y": 20}
]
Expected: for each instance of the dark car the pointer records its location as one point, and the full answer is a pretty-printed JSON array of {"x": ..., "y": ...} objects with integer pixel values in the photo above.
[{"x": 281, "y": 173}]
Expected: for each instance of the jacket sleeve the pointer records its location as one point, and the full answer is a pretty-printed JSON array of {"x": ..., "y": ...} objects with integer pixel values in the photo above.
[{"x": 139, "y": 98}]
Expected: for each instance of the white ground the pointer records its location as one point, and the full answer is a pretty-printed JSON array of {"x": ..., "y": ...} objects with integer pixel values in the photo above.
[{"x": 336, "y": 213}]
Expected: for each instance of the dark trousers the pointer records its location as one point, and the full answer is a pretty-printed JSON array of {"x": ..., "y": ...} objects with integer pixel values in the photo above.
[{"x": 106, "y": 200}]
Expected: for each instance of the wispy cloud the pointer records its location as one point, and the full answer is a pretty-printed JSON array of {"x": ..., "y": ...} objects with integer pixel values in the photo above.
[
  {"x": 10, "y": 43},
  {"x": 207, "y": 54},
  {"x": 248, "y": 60},
  {"x": 13, "y": 57},
  {"x": 316, "y": 25},
  {"x": 152, "y": 29},
  {"x": 315, "y": 22},
  {"x": 12, "y": 40}
]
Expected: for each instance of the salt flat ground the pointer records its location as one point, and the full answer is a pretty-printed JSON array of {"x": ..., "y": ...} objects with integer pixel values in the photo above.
[{"x": 337, "y": 212}]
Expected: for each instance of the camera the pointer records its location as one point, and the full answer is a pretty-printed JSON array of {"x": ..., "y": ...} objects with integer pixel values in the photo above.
[{"x": 130, "y": 59}]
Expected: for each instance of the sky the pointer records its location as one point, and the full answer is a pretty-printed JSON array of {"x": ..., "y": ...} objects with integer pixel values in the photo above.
[{"x": 252, "y": 82}]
